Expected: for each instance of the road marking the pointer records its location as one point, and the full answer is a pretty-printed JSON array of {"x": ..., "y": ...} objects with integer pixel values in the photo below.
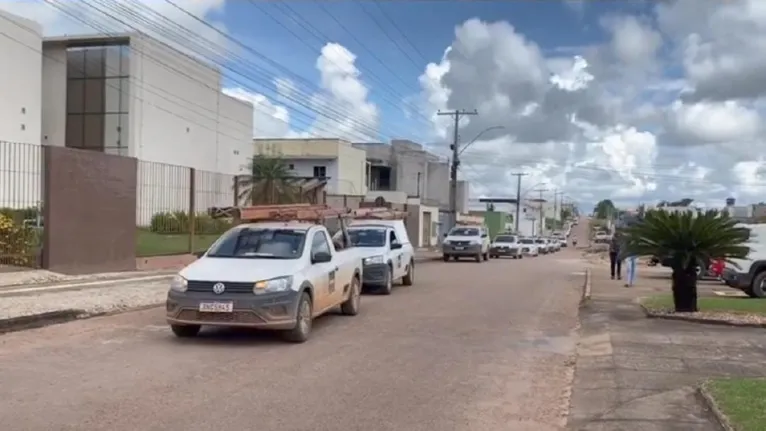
[
  {"x": 730, "y": 293},
  {"x": 85, "y": 284}
]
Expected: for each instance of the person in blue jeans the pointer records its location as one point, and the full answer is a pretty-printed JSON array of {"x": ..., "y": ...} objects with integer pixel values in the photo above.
[{"x": 631, "y": 263}]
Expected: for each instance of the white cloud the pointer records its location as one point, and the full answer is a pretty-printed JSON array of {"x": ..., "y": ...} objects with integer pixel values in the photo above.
[{"x": 715, "y": 122}]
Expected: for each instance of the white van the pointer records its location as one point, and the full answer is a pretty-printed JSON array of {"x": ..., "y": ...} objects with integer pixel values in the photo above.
[{"x": 387, "y": 254}]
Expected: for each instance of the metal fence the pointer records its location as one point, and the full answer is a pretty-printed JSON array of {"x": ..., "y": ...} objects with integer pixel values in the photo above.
[
  {"x": 172, "y": 208},
  {"x": 21, "y": 168}
]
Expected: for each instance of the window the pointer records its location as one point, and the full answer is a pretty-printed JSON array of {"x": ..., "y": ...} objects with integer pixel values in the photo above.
[
  {"x": 319, "y": 244},
  {"x": 320, "y": 171},
  {"x": 291, "y": 166},
  {"x": 392, "y": 238}
]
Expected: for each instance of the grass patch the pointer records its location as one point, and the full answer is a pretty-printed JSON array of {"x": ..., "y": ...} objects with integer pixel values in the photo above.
[
  {"x": 742, "y": 400},
  {"x": 159, "y": 244},
  {"x": 711, "y": 304}
]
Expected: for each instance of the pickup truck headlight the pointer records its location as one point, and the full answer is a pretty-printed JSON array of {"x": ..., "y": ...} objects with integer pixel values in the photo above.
[
  {"x": 373, "y": 260},
  {"x": 279, "y": 284},
  {"x": 179, "y": 284}
]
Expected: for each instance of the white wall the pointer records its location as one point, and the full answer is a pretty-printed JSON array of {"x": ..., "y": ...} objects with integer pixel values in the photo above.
[
  {"x": 54, "y": 91},
  {"x": 305, "y": 168},
  {"x": 20, "y": 111},
  {"x": 180, "y": 120}
]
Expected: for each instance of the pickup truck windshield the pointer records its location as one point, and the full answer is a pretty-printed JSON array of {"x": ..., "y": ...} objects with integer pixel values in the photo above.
[
  {"x": 464, "y": 231},
  {"x": 527, "y": 241},
  {"x": 540, "y": 241},
  {"x": 367, "y": 237},
  {"x": 504, "y": 238},
  {"x": 257, "y": 243}
]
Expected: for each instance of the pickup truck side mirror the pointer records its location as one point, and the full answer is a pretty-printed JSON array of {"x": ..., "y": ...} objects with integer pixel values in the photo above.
[
  {"x": 199, "y": 254},
  {"x": 396, "y": 246},
  {"x": 321, "y": 257}
]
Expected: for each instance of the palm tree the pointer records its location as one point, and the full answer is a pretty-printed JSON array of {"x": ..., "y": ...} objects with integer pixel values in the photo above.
[
  {"x": 688, "y": 240},
  {"x": 269, "y": 182}
]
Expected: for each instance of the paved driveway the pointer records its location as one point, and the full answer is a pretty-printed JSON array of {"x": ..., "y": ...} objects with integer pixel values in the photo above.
[{"x": 469, "y": 347}]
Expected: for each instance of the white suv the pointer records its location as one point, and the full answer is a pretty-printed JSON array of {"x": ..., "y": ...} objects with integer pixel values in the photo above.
[{"x": 466, "y": 241}]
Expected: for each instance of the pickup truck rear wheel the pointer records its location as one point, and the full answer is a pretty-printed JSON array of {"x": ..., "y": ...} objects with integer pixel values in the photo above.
[
  {"x": 409, "y": 277},
  {"x": 303, "y": 321},
  {"x": 350, "y": 306}
]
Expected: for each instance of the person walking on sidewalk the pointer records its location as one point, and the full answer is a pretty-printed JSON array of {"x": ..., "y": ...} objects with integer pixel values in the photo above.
[
  {"x": 615, "y": 262},
  {"x": 631, "y": 267}
]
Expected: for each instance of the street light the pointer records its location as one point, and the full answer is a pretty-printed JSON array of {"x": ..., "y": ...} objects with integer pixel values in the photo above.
[{"x": 488, "y": 129}]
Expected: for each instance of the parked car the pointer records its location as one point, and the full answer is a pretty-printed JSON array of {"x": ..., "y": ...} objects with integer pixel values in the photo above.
[
  {"x": 268, "y": 274},
  {"x": 386, "y": 251},
  {"x": 529, "y": 247},
  {"x": 542, "y": 245},
  {"x": 506, "y": 245},
  {"x": 466, "y": 241}
]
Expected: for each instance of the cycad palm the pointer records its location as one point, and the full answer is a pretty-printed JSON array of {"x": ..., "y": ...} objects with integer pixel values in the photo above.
[
  {"x": 270, "y": 182},
  {"x": 688, "y": 240}
]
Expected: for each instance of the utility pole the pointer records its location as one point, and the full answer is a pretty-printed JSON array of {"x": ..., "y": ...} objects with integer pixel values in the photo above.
[
  {"x": 542, "y": 215},
  {"x": 518, "y": 199},
  {"x": 456, "y": 114},
  {"x": 556, "y": 212}
]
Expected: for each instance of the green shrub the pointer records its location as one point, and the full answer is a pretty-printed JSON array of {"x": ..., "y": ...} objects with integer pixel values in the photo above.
[
  {"x": 18, "y": 243},
  {"x": 179, "y": 222},
  {"x": 18, "y": 215}
]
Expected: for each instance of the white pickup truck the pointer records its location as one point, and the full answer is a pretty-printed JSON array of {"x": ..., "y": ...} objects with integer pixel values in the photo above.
[
  {"x": 387, "y": 253},
  {"x": 266, "y": 275}
]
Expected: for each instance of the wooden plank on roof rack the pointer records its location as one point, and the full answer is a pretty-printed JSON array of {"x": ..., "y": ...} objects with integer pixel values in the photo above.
[
  {"x": 289, "y": 212},
  {"x": 379, "y": 213}
]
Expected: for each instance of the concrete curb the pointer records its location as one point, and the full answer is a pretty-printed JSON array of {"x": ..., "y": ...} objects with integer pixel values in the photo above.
[
  {"x": 41, "y": 320},
  {"x": 701, "y": 320},
  {"x": 709, "y": 401},
  {"x": 586, "y": 288}
]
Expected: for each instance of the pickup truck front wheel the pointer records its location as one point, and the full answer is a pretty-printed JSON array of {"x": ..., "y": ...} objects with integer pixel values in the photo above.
[
  {"x": 388, "y": 285},
  {"x": 303, "y": 321},
  {"x": 350, "y": 306},
  {"x": 185, "y": 331}
]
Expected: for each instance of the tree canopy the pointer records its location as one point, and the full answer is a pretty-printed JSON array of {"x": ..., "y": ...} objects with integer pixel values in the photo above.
[{"x": 604, "y": 209}]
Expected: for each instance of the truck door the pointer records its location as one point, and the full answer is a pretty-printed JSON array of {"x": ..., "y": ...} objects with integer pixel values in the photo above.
[
  {"x": 397, "y": 255},
  {"x": 323, "y": 274}
]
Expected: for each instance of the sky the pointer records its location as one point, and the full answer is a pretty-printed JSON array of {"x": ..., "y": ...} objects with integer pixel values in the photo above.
[{"x": 636, "y": 101}]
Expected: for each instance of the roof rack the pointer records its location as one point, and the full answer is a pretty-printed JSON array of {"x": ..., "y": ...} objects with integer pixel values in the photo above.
[
  {"x": 467, "y": 223},
  {"x": 379, "y": 213},
  {"x": 290, "y": 212}
]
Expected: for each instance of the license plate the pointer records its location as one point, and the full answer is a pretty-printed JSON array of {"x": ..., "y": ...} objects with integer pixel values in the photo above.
[
  {"x": 216, "y": 307},
  {"x": 458, "y": 248}
]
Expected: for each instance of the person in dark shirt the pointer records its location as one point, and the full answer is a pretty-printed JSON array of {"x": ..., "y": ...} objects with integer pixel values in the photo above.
[{"x": 615, "y": 262}]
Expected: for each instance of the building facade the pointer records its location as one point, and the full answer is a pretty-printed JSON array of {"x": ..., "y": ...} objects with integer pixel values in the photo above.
[
  {"x": 335, "y": 159},
  {"x": 406, "y": 166},
  {"x": 127, "y": 95}
]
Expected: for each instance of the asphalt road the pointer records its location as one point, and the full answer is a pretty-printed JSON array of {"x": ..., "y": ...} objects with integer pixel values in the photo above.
[{"x": 469, "y": 347}]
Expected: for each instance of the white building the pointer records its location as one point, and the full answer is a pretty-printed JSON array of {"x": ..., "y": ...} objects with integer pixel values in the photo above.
[
  {"x": 344, "y": 166},
  {"x": 128, "y": 95}
]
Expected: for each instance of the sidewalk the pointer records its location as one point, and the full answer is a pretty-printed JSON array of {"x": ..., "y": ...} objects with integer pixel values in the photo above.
[{"x": 633, "y": 373}]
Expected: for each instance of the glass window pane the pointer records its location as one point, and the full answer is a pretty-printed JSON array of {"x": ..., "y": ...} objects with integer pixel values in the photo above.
[
  {"x": 75, "y": 63},
  {"x": 112, "y": 95},
  {"x": 112, "y": 61},
  {"x": 94, "y": 62},
  {"x": 126, "y": 96},
  {"x": 75, "y": 96},
  {"x": 94, "y": 95},
  {"x": 94, "y": 132},
  {"x": 74, "y": 130},
  {"x": 112, "y": 131},
  {"x": 125, "y": 65}
]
